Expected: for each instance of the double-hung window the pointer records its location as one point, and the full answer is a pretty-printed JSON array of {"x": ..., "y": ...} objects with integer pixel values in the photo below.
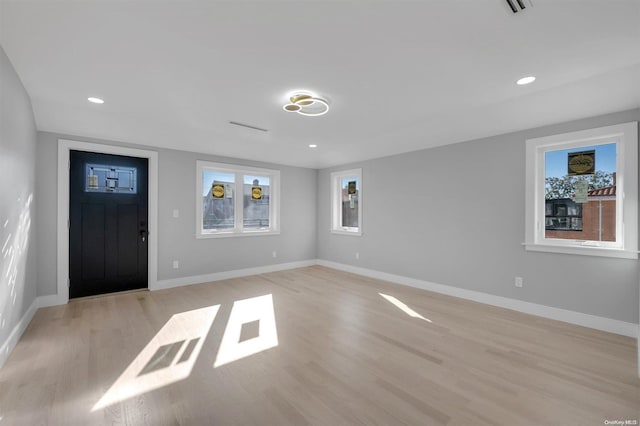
[
  {"x": 346, "y": 202},
  {"x": 582, "y": 192},
  {"x": 236, "y": 200}
]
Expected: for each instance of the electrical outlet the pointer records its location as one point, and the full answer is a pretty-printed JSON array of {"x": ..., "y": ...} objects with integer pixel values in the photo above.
[
  {"x": 519, "y": 282},
  {"x": 274, "y": 254},
  {"x": 176, "y": 264},
  {"x": 357, "y": 255}
]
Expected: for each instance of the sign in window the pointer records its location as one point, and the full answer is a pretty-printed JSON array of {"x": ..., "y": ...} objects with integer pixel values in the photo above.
[
  {"x": 568, "y": 213},
  {"x": 346, "y": 194},
  {"x": 236, "y": 200}
]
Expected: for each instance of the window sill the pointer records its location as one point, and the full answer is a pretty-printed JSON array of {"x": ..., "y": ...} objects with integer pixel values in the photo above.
[
  {"x": 343, "y": 232},
  {"x": 582, "y": 251},
  {"x": 236, "y": 234}
]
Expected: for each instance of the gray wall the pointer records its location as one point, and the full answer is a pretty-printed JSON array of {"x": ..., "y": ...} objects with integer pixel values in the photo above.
[
  {"x": 463, "y": 225},
  {"x": 454, "y": 215},
  {"x": 17, "y": 174},
  {"x": 176, "y": 240}
]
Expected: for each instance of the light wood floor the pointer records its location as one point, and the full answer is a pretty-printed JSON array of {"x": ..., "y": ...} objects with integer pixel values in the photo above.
[{"x": 345, "y": 355}]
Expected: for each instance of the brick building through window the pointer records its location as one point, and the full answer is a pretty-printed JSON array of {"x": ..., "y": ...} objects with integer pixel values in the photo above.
[{"x": 594, "y": 220}]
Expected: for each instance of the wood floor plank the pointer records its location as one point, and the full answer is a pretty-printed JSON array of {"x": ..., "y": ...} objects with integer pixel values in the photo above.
[{"x": 344, "y": 355}]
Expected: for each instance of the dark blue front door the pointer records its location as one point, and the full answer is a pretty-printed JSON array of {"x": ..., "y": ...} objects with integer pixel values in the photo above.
[{"x": 107, "y": 223}]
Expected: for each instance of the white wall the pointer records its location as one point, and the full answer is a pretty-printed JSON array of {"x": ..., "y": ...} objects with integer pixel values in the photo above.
[
  {"x": 176, "y": 239},
  {"x": 454, "y": 215},
  {"x": 17, "y": 207}
]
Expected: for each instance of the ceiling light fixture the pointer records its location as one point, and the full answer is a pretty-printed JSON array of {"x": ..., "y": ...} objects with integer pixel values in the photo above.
[
  {"x": 305, "y": 103},
  {"x": 95, "y": 100},
  {"x": 525, "y": 80},
  {"x": 313, "y": 145}
]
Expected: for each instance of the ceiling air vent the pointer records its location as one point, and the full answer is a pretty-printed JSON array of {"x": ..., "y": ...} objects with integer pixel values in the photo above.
[
  {"x": 518, "y": 5},
  {"x": 248, "y": 126}
]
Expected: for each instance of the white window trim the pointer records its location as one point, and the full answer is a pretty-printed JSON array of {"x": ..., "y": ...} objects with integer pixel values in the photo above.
[
  {"x": 336, "y": 207},
  {"x": 239, "y": 171},
  {"x": 626, "y": 245}
]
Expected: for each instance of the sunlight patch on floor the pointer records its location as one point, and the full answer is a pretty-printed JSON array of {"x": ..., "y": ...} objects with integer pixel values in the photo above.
[
  {"x": 169, "y": 356},
  {"x": 407, "y": 310},
  {"x": 232, "y": 347}
]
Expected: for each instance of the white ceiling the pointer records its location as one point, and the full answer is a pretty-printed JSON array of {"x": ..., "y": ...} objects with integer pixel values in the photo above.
[{"x": 399, "y": 75}]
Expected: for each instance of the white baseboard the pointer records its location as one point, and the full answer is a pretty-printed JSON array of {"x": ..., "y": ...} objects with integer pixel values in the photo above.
[
  {"x": 572, "y": 317},
  {"x": 225, "y": 275},
  {"x": 17, "y": 332}
]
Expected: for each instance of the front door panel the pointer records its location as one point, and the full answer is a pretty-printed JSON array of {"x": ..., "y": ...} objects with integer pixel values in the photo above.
[{"x": 107, "y": 223}]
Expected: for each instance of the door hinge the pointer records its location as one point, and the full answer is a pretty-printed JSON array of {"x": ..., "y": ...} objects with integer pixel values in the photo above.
[
  {"x": 68, "y": 224},
  {"x": 69, "y": 283}
]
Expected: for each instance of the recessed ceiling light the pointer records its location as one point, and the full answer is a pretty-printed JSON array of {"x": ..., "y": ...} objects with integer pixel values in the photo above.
[
  {"x": 95, "y": 100},
  {"x": 313, "y": 145},
  {"x": 526, "y": 80}
]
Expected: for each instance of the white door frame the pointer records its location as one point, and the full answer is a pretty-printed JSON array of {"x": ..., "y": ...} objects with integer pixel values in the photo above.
[{"x": 64, "y": 149}]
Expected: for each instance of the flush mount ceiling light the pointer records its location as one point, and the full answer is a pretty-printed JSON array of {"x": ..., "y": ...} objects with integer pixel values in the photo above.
[
  {"x": 313, "y": 145},
  {"x": 95, "y": 100},
  {"x": 525, "y": 80},
  {"x": 305, "y": 103}
]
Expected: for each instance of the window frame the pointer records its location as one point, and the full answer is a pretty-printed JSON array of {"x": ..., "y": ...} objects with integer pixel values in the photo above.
[
  {"x": 239, "y": 171},
  {"x": 626, "y": 138},
  {"x": 336, "y": 202}
]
